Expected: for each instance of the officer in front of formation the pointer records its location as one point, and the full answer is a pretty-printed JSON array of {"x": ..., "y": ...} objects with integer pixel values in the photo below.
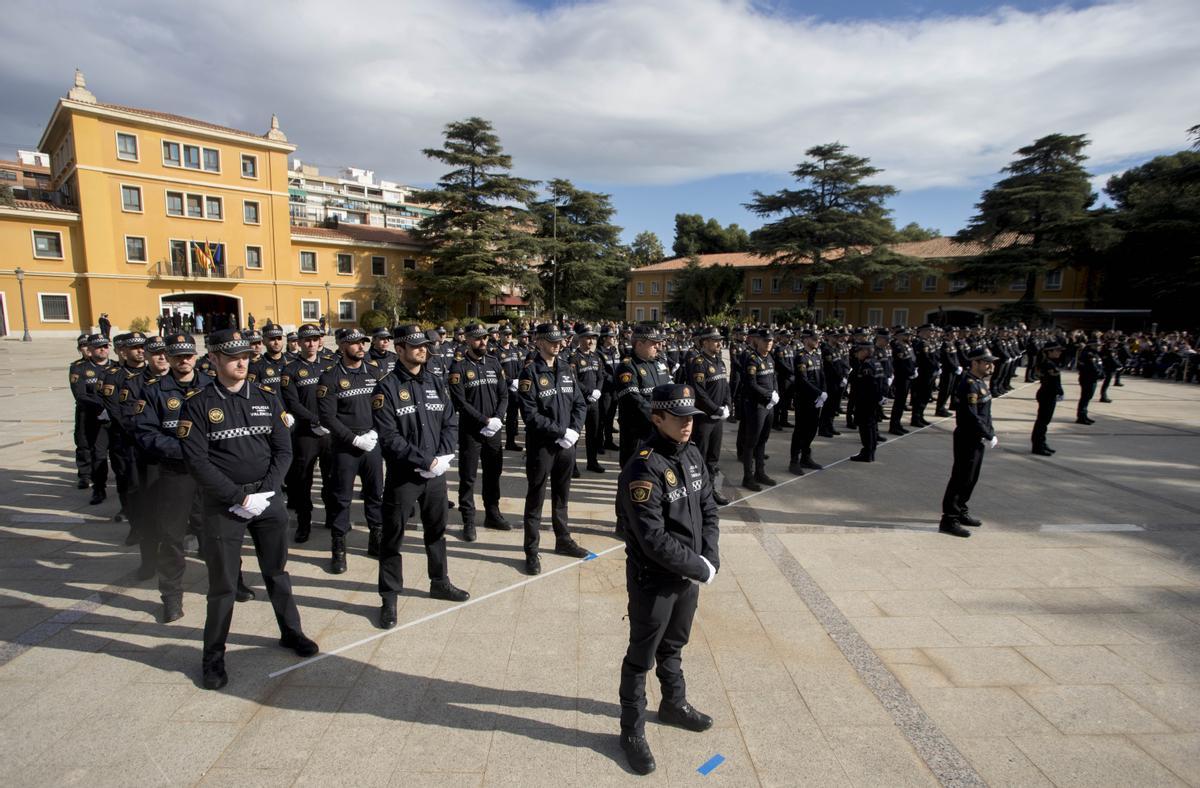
[
  {"x": 344, "y": 394},
  {"x": 637, "y": 376},
  {"x": 87, "y": 386},
  {"x": 757, "y": 397},
  {"x": 808, "y": 391},
  {"x": 668, "y": 519},
  {"x": 311, "y": 443},
  {"x": 1049, "y": 393},
  {"x": 866, "y": 392},
  {"x": 553, "y": 409},
  {"x": 417, "y": 425},
  {"x": 589, "y": 377},
  {"x": 236, "y": 445},
  {"x": 707, "y": 375},
  {"x": 973, "y": 433},
  {"x": 479, "y": 390}
]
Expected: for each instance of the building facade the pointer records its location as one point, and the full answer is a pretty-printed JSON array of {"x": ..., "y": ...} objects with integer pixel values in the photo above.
[
  {"x": 768, "y": 293},
  {"x": 351, "y": 197}
]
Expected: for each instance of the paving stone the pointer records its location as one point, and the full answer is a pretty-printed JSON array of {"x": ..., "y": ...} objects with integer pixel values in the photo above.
[
  {"x": 1083, "y": 665},
  {"x": 1176, "y": 751},
  {"x": 1001, "y": 763},
  {"x": 905, "y": 632},
  {"x": 1176, "y": 704},
  {"x": 984, "y": 667},
  {"x": 1092, "y": 709},
  {"x": 1079, "y": 629},
  {"x": 997, "y": 630},
  {"x": 980, "y": 711},
  {"x": 1087, "y": 761}
]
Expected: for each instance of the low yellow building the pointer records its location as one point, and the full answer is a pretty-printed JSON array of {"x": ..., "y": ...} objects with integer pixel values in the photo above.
[
  {"x": 767, "y": 293},
  {"x": 158, "y": 213}
]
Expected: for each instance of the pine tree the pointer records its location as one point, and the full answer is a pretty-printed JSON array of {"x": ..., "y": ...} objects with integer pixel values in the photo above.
[
  {"x": 694, "y": 235},
  {"x": 646, "y": 249},
  {"x": 479, "y": 238}
]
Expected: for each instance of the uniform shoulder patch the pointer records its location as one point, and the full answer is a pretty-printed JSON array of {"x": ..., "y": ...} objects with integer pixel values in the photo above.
[
  {"x": 455, "y": 377},
  {"x": 750, "y": 370},
  {"x": 626, "y": 377},
  {"x": 284, "y": 380},
  {"x": 377, "y": 402},
  {"x": 972, "y": 398},
  {"x": 526, "y": 384},
  {"x": 321, "y": 390},
  {"x": 645, "y": 453},
  {"x": 699, "y": 377},
  {"x": 124, "y": 394},
  {"x": 139, "y": 406},
  {"x": 109, "y": 389},
  {"x": 184, "y": 428},
  {"x": 640, "y": 491},
  {"x": 373, "y": 363},
  {"x": 74, "y": 377}
]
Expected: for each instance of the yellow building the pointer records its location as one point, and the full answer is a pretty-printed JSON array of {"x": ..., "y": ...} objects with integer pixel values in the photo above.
[
  {"x": 767, "y": 293},
  {"x": 161, "y": 213}
]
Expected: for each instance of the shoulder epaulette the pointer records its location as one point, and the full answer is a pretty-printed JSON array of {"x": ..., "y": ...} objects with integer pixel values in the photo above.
[
  {"x": 373, "y": 363},
  {"x": 267, "y": 389},
  {"x": 152, "y": 381},
  {"x": 191, "y": 393}
]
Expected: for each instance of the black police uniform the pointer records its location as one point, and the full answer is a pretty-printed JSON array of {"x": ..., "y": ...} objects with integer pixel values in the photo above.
[
  {"x": 836, "y": 368},
  {"x": 611, "y": 358},
  {"x": 808, "y": 385},
  {"x": 668, "y": 519},
  {"x": 312, "y": 444},
  {"x": 707, "y": 376},
  {"x": 589, "y": 377},
  {"x": 904, "y": 367},
  {"x": 866, "y": 390},
  {"x": 551, "y": 403},
  {"x": 636, "y": 379},
  {"x": 512, "y": 359},
  {"x": 344, "y": 408},
  {"x": 386, "y": 359},
  {"x": 755, "y": 388},
  {"x": 928, "y": 368},
  {"x": 479, "y": 390},
  {"x": 784, "y": 357},
  {"x": 87, "y": 386},
  {"x": 140, "y": 511},
  {"x": 1091, "y": 369},
  {"x": 972, "y": 431},
  {"x": 1049, "y": 392}
]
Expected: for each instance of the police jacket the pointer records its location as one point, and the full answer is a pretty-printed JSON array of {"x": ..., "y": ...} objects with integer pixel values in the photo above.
[
  {"x": 415, "y": 419},
  {"x": 636, "y": 379},
  {"x": 1090, "y": 366},
  {"x": 386, "y": 360},
  {"x": 611, "y": 358},
  {"x": 344, "y": 400},
  {"x": 757, "y": 382},
  {"x": 973, "y": 416},
  {"x": 479, "y": 390},
  {"x": 156, "y": 416},
  {"x": 904, "y": 363},
  {"x": 1049, "y": 379},
  {"x": 810, "y": 376},
  {"x": 708, "y": 376},
  {"x": 784, "y": 357},
  {"x": 666, "y": 513},
  {"x": 235, "y": 442},
  {"x": 867, "y": 385},
  {"x": 131, "y": 392},
  {"x": 589, "y": 371},
  {"x": 512, "y": 359},
  {"x": 298, "y": 387},
  {"x": 835, "y": 364},
  {"x": 551, "y": 402},
  {"x": 114, "y": 384},
  {"x": 437, "y": 365},
  {"x": 928, "y": 365},
  {"x": 87, "y": 386},
  {"x": 267, "y": 371}
]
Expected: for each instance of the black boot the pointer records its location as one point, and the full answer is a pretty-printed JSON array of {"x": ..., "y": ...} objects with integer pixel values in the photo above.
[
  {"x": 1042, "y": 450},
  {"x": 469, "y": 534},
  {"x": 966, "y": 519},
  {"x": 303, "y": 526},
  {"x": 751, "y": 485},
  {"x": 214, "y": 674},
  {"x": 495, "y": 520},
  {"x": 533, "y": 564},
  {"x": 796, "y": 468},
  {"x": 387, "y": 614},
  {"x": 337, "y": 563},
  {"x": 98, "y": 496},
  {"x": 83, "y": 483},
  {"x": 637, "y": 750},
  {"x": 569, "y": 547},
  {"x": 761, "y": 477},
  {"x": 806, "y": 461},
  {"x": 373, "y": 537},
  {"x": 683, "y": 715},
  {"x": 244, "y": 592},
  {"x": 444, "y": 589},
  {"x": 948, "y": 525},
  {"x": 303, "y": 645},
  {"x": 172, "y": 609},
  {"x": 719, "y": 498},
  {"x": 861, "y": 457}
]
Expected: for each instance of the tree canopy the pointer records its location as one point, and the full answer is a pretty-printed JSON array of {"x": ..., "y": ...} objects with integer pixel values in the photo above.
[
  {"x": 701, "y": 291},
  {"x": 646, "y": 249},
  {"x": 694, "y": 235},
  {"x": 915, "y": 232}
]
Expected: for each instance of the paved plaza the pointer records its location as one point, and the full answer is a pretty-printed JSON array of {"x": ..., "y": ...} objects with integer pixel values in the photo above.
[{"x": 844, "y": 642}]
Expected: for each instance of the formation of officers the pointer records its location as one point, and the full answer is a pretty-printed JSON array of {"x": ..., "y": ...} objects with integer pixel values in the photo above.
[{"x": 217, "y": 443}]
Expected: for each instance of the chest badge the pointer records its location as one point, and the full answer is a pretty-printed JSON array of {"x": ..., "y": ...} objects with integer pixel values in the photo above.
[
  {"x": 669, "y": 475},
  {"x": 302, "y": 372},
  {"x": 344, "y": 383},
  {"x": 173, "y": 403},
  {"x": 216, "y": 416},
  {"x": 543, "y": 381},
  {"x": 626, "y": 377},
  {"x": 90, "y": 373},
  {"x": 404, "y": 395},
  {"x": 270, "y": 371},
  {"x": 470, "y": 374}
]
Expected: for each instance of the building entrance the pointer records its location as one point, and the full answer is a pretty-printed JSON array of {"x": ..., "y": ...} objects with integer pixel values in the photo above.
[{"x": 201, "y": 313}]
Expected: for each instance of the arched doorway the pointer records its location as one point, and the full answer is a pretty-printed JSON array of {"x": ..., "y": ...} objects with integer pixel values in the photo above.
[
  {"x": 954, "y": 317},
  {"x": 203, "y": 312}
]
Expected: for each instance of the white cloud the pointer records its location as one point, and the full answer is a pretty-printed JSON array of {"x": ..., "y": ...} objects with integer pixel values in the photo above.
[{"x": 623, "y": 91}]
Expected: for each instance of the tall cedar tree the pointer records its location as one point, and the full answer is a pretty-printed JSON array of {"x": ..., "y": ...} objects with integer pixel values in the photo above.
[
  {"x": 833, "y": 230},
  {"x": 1035, "y": 220},
  {"x": 646, "y": 249},
  {"x": 590, "y": 261},
  {"x": 701, "y": 291},
  {"x": 478, "y": 238},
  {"x": 694, "y": 235}
]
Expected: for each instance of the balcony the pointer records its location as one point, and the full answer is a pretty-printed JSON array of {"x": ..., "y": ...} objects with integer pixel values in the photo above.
[{"x": 173, "y": 269}]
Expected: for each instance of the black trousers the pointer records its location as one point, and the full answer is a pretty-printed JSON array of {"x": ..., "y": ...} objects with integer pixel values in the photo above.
[
  {"x": 968, "y": 459},
  {"x": 868, "y": 431},
  {"x": 1030, "y": 363},
  {"x": 472, "y": 449},
  {"x": 308, "y": 453},
  {"x": 608, "y": 413},
  {"x": 347, "y": 465},
  {"x": 512, "y": 418},
  {"x": 660, "y": 624},
  {"x": 95, "y": 434},
  {"x": 1108, "y": 376},
  {"x": 781, "y": 408},
  {"x": 1087, "y": 390},
  {"x": 120, "y": 453},
  {"x": 830, "y": 411},
  {"x": 922, "y": 391},
  {"x": 83, "y": 451},
  {"x": 754, "y": 432},
  {"x": 707, "y": 434},
  {"x": 808, "y": 417},
  {"x": 899, "y": 400},
  {"x": 945, "y": 386},
  {"x": 403, "y": 491},
  {"x": 593, "y": 437},
  {"x": 552, "y": 463},
  {"x": 224, "y": 533},
  {"x": 1045, "y": 412},
  {"x": 171, "y": 493}
]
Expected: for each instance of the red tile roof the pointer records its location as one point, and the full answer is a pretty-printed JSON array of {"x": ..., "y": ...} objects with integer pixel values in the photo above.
[
  {"x": 39, "y": 205},
  {"x": 149, "y": 113}
]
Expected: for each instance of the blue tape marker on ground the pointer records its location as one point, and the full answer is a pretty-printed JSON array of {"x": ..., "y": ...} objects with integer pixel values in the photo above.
[
  {"x": 711, "y": 764},
  {"x": 590, "y": 557}
]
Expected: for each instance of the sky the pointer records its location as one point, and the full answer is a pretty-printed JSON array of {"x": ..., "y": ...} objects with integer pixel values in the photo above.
[{"x": 670, "y": 106}]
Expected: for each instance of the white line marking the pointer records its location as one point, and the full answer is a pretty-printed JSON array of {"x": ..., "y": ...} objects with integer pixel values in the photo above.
[{"x": 1071, "y": 527}]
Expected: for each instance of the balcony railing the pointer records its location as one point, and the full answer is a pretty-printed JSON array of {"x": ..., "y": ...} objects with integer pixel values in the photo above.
[{"x": 176, "y": 269}]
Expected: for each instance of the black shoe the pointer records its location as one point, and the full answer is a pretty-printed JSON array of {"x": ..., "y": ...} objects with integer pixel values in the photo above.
[
  {"x": 1043, "y": 451},
  {"x": 133, "y": 537},
  {"x": 244, "y": 593},
  {"x": 337, "y": 562},
  {"x": 762, "y": 478},
  {"x": 569, "y": 547},
  {"x": 684, "y": 716},
  {"x": 1119, "y": 385},
  {"x": 825, "y": 434},
  {"x": 510, "y": 446},
  {"x": 215, "y": 676},
  {"x": 1047, "y": 448},
  {"x": 444, "y": 589},
  {"x": 146, "y": 570},
  {"x": 943, "y": 413},
  {"x": 880, "y": 439},
  {"x": 303, "y": 530},
  {"x": 897, "y": 431},
  {"x": 98, "y": 496},
  {"x": 1084, "y": 421},
  {"x": 496, "y": 521},
  {"x": 637, "y": 750},
  {"x": 811, "y": 464},
  {"x": 119, "y": 516},
  {"x": 533, "y": 564},
  {"x": 387, "y": 614},
  {"x": 575, "y": 474},
  {"x": 596, "y": 468},
  {"x": 373, "y": 538},
  {"x": 469, "y": 534},
  {"x": 172, "y": 609},
  {"x": 836, "y": 433},
  {"x": 610, "y": 446},
  {"x": 1105, "y": 399},
  {"x": 719, "y": 499},
  {"x": 967, "y": 519},
  {"x": 303, "y": 645},
  {"x": 83, "y": 483},
  {"x": 751, "y": 485},
  {"x": 949, "y": 526},
  {"x": 787, "y": 425},
  {"x": 860, "y": 457},
  {"x": 796, "y": 468}
]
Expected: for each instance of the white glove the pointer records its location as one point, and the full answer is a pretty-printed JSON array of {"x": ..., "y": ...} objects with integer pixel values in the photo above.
[
  {"x": 913, "y": 376},
  {"x": 288, "y": 420},
  {"x": 774, "y": 399},
  {"x": 320, "y": 432},
  {"x": 257, "y": 503},
  {"x": 958, "y": 370},
  {"x": 440, "y": 465},
  {"x": 241, "y": 511},
  {"x": 723, "y": 413},
  {"x": 365, "y": 442},
  {"x": 845, "y": 381},
  {"x": 103, "y": 416},
  {"x": 512, "y": 385},
  {"x": 821, "y": 399},
  {"x": 487, "y": 432},
  {"x": 570, "y": 437},
  {"x": 712, "y": 571},
  {"x": 494, "y": 424},
  {"x": 595, "y": 395},
  {"x": 994, "y": 442},
  {"x": 890, "y": 379}
]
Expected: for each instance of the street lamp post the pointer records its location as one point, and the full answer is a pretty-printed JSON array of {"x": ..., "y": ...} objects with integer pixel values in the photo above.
[
  {"x": 328, "y": 316},
  {"x": 554, "y": 265},
  {"x": 24, "y": 320}
]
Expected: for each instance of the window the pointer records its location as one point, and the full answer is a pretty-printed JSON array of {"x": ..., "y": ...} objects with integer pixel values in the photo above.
[
  {"x": 756, "y": 285},
  {"x": 899, "y": 317},
  {"x": 212, "y": 160},
  {"x": 641, "y": 288},
  {"x": 903, "y": 283},
  {"x": 1054, "y": 280},
  {"x": 127, "y": 146},
  {"x": 756, "y": 315},
  {"x": 345, "y": 264},
  {"x": 874, "y": 317},
  {"x": 308, "y": 262},
  {"x": 410, "y": 264},
  {"x": 135, "y": 249},
  {"x": 131, "y": 199},
  {"x": 654, "y": 313},
  {"x": 195, "y": 206},
  {"x": 378, "y": 266},
  {"x": 839, "y": 315},
  {"x": 213, "y": 208},
  {"x": 249, "y": 166},
  {"x": 174, "y": 203},
  {"x": 774, "y": 284},
  {"x": 877, "y": 284},
  {"x": 254, "y": 257},
  {"x": 654, "y": 288},
  {"x": 930, "y": 284},
  {"x": 171, "y": 154},
  {"x": 310, "y": 309},
  {"x": 841, "y": 288},
  {"x": 54, "y": 307},
  {"x": 641, "y": 314},
  {"x": 191, "y": 157},
  {"x": 818, "y": 314},
  {"x": 797, "y": 285},
  {"x": 773, "y": 315},
  {"x": 1017, "y": 284},
  {"x": 346, "y": 311},
  {"x": 957, "y": 284},
  {"x": 7, "y": 175},
  {"x": 250, "y": 212},
  {"x": 47, "y": 244}
]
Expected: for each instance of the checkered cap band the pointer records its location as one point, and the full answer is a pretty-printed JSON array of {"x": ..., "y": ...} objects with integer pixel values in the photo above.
[
  {"x": 181, "y": 349},
  {"x": 354, "y": 335},
  {"x": 234, "y": 347},
  {"x": 415, "y": 338},
  {"x": 307, "y": 331},
  {"x": 671, "y": 404}
]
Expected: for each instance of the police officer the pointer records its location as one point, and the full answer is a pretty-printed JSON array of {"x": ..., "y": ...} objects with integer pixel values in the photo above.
[
  {"x": 1049, "y": 392},
  {"x": 379, "y": 352},
  {"x": 1091, "y": 369},
  {"x": 236, "y": 445},
  {"x": 311, "y": 443},
  {"x": 758, "y": 396},
  {"x": 637, "y": 376},
  {"x": 784, "y": 356},
  {"x": 710, "y": 381},
  {"x": 866, "y": 391},
  {"x": 293, "y": 345},
  {"x": 511, "y": 360},
  {"x": 667, "y": 517},
  {"x": 590, "y": 379},
  {"x": 610, "y": 355},
  {"x": 973, "y": 432},
  {"x": 418, "y": 429},
  {"x": 904, "y": 368},
  {"x": 808, "y": 389},
  {"x": 87, "y": 386},
  {"x": 835, "y": 366},
  {"x": 927, "y": 374},
  {"x": 479, "y": 390},
  {"x": 83, "y": 456},
  {"x": 142, "y": 530},
  {"x": 268, "y": 368},
  {"x": 553, "y": 409},
  {"x": 131, "y": 349}
]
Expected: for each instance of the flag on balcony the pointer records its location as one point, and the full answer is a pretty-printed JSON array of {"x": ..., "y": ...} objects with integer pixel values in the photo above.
[
  {"x": 216, "y": 254},
  {"x": 200, "y": 254}
]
